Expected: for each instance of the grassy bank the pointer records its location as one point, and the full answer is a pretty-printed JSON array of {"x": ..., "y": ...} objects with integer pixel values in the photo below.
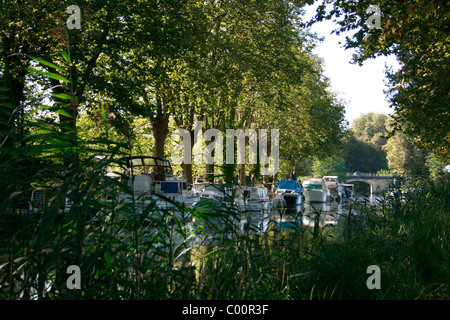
[
  {"x": 123, "y": 255},
  {"x": 407, "y": 237}
]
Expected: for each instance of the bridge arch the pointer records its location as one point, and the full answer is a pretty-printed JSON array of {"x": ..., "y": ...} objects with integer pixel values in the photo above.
[
  {"x": 373, "y": 185},
  {"x": 377, "y": 182}
]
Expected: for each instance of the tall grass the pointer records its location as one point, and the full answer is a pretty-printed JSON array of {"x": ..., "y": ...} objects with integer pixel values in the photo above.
[{"x": 407, "y": 237}]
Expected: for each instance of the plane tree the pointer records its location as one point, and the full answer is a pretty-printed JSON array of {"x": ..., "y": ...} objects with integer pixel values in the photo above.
[{"x": 416, "y": 32}]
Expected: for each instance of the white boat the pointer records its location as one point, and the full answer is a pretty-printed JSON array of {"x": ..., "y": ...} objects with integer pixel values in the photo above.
[
  {"x": 218, "y": 192},
  {"x": 253, "y": 199},
  {"x": 197, "y": 189},
  {"x": 42, "y": 197},
  {"x": 255, "y": 208},
  {"x": 154, "y": 182},
  {"x": 315, "y": 190},
  {"x": 346, "y": 191},
  {"x": 291, "y": 191},
  {"x": 332, "y": 185}
]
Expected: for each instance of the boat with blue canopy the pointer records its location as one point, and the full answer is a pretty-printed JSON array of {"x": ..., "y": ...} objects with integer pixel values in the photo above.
[{"x": 291, "y": 191}]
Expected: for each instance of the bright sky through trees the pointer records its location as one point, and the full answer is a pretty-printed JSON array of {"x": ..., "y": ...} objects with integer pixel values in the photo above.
[{"x": 360, "y": 86}]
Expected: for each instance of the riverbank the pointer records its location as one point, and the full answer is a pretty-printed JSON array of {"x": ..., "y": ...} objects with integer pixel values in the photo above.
[
  {"x": 406, "y": 236},
  {"x": 309, "y": 254}
]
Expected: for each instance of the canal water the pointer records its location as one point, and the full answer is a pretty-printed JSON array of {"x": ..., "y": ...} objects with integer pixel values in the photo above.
[
  {"x": 308, "y": 214},
  {"x": 330, "y": 217}
]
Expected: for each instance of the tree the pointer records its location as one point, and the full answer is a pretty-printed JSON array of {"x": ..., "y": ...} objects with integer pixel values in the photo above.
[
  {"x": 434, "y": 165},
  {"x": 230, "y": 64},
  {"x": 310, "y": 117},
  {"x": 416, "y": 32},
  {"x": 365, "y": 145},
  {"x": 332, "y": 166},
  {"x": 404, "y": 158},
  {"x": 371, "y": 128},
  {"x": 363, "y": 156}
]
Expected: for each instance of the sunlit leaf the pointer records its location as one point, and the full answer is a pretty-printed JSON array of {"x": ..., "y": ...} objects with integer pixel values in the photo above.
[
  {"x": 66, "y": 57},
  {"x": 48, "y": 74},
  {"x": 48, "y": 64},
  {"x": 62, "y": 96},
  {"x": 64, "y": 113}
]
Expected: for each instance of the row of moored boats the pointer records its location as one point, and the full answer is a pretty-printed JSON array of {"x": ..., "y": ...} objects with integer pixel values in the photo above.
[{"x": 151, "y": 179}]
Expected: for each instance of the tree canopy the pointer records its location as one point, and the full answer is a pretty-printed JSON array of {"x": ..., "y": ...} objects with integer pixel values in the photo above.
[
  {"x": 416, "y": 32},
  {"x": 230, "y": 64},
  {"x": 365, "y": 144}
]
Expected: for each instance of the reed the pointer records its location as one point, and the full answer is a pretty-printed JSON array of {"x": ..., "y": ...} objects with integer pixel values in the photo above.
[{"x": 126, "y": 253}]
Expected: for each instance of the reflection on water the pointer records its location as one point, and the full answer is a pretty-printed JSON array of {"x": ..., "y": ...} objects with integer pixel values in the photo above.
[
  {"x": 331, "y": 218},
  {"x": 308, "y": 214},
  {"x": 328, "y": 213}
]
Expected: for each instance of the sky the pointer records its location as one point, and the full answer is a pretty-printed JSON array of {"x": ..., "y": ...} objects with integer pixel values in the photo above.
[{"x": 361, "y": 87}]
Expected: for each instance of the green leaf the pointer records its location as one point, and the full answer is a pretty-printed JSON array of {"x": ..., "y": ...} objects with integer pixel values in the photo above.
[
  {"x": 8, "y": 105},
  {"x": 93, "y": 258},
  {"x": 62, "y": 96},
  {"x": 48, "y": 64},
  {"x": 107, "y": 256},
  {"x": 64, "y": 113},
  {"x": 66, "y": 57},
  {"x": 48, "y": 74},
  {"x": 47, "y": 219}
]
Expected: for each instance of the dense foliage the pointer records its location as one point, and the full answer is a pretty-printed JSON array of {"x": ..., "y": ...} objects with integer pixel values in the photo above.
[
  {"x": 416, "y": 32},
  {"x": 229, "y": 64}
]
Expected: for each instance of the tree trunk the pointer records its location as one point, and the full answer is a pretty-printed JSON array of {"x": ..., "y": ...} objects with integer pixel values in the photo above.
[
  {"x": 242, "y": 180},
  {"x": 209, "y": 171},
  {"x": 187, "y": 167},
  {"x": 160, "y": 129}
]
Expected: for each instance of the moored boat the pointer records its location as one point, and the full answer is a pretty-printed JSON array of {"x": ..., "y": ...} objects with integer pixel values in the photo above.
[
  {"x": 346, "y": 191},
  {"x": 151, "y": 180},
  {"x": 315, "y": 190},
  {"x": 291, "y": 191},
  {"x": 332, "y": 186},
  {"x": 254, "y": 206}
]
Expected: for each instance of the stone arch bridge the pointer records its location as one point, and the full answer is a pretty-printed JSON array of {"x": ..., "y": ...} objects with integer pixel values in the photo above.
[{"x": 378, "y": 182}]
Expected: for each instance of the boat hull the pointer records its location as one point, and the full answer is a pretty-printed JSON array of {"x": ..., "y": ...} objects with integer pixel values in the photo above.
[
  {"x": 292, "y": 200},
  {"x": 315, "y": 195}
]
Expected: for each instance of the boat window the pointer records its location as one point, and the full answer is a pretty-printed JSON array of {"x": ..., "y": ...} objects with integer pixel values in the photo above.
[
  {"x": 313, "y": 186},
  {"x": 162, "y": 163},
  {"x": 149, "y": 162},
  {"x": 169, "y": 187}
]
